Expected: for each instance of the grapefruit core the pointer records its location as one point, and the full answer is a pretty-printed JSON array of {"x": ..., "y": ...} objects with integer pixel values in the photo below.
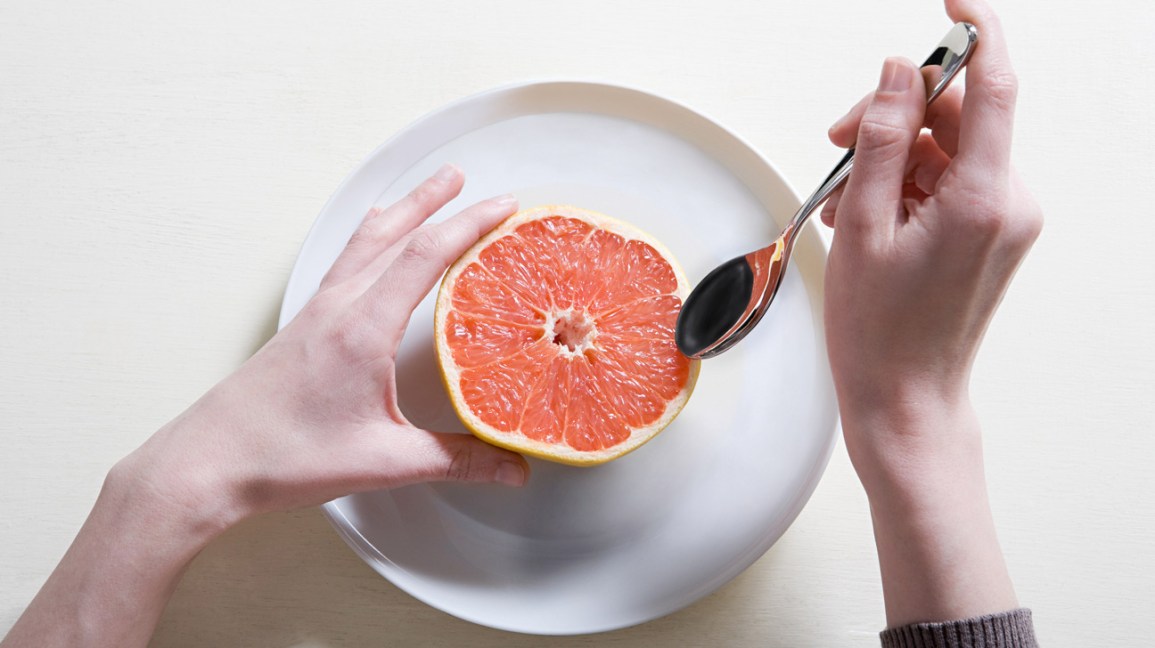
[{"x": 555, "y": 336}]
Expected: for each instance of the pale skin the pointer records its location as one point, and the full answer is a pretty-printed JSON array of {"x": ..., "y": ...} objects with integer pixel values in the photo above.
[
  {"x": 312, "y": 416},
  {"x": 928, "y": 233}
]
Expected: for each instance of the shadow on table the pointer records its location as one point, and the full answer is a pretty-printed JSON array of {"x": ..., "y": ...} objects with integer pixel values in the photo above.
[{"x": 288, "y": 580}]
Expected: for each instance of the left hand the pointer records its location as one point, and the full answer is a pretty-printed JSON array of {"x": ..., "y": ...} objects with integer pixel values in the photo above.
[{"x": 314, "y": 415}]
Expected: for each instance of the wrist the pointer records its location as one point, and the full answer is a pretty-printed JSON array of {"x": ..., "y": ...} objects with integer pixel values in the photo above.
[
  {"x": 111, "y": 586},
  {"x": 913, "y": 446},
  {"x": 178, "y": 495},
  {"x": 921, "y": 463}
]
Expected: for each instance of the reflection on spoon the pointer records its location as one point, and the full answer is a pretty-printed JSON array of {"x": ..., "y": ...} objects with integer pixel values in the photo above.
[{"x": 723, "y": 296}]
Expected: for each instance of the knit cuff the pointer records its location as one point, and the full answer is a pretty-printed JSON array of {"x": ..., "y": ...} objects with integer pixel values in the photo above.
[{"x": 1006, "y": 630}]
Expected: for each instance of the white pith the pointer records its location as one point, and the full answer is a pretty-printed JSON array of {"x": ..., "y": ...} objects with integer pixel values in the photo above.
[{"x": 553, "y": 318}]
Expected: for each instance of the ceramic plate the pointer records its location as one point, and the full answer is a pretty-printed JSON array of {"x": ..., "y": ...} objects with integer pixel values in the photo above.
[{"x": 581, "y": 550}]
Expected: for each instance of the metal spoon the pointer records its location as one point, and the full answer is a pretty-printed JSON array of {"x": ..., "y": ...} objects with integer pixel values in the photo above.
[{"x": 731, "y": 300}]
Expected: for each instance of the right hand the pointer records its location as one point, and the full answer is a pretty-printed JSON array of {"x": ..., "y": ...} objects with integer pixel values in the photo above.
[{"x": 930, "y": 228}]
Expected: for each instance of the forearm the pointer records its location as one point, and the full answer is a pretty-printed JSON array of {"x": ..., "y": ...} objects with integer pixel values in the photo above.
[
  {"x": 116, "y": 578},
  {"x": 937, "y": 547}
]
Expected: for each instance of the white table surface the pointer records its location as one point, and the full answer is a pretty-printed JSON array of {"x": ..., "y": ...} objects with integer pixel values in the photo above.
[{"x": 160, "y": 164}]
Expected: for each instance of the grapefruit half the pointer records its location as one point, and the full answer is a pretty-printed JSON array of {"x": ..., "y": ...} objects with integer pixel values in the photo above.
[{"x": 555, "y": 336}]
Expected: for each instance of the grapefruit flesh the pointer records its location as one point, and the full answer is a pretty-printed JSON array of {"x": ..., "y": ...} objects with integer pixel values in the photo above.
[{"x": 555, "y": 336}]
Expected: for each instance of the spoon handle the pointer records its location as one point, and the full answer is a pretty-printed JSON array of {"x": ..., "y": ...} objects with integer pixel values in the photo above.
[{"x": 940, "y": 68}]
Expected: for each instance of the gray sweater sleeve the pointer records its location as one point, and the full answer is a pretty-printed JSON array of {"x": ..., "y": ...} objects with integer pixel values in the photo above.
[{"x": 1007, "y": 630}]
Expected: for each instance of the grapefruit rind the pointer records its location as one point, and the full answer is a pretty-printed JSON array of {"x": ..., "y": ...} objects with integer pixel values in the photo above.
[{"x": 514, "y": 441}]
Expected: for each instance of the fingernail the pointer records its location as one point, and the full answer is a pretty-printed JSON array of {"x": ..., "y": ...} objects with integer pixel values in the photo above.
[
  {"x": 510, "y": 474},
  {"x": 896, "y": 76},
  {"x": 506, "y": 200},
  {"x": 446, "y": 173}
]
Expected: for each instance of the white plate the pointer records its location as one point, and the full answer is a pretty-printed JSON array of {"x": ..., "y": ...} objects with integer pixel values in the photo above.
[{"x": 581, "y": 550}]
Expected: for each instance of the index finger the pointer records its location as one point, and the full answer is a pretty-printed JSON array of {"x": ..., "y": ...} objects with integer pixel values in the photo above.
[
  {"x": 988, "y": 109},
  {"x": 426, "y": 255},
  {"x": 381, "y": 228}
]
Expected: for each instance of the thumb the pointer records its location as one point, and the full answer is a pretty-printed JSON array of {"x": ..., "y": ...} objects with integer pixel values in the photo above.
[
  {"x": 889, "y": 127},
  {"x": 438, "y": 456}
]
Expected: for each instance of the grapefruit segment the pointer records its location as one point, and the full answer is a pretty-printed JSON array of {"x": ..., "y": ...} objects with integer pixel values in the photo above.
[
  {"x": 479, "y": 341},
  {"x": 638, "y": 272},
  {"x": 653, "y": 318},
  {"x": 602, "y": 251},
  {"x": 480, "y": 295},
  {"x": 497, "y": 392},
  {"x": 547, "y": 404},
  {"x": 555, "y": 336}
]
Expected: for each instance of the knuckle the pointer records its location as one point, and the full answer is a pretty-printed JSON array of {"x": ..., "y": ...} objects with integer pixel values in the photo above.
[
  {"x": 425, "y": 245},
  {"x": 328, "y": 301},
  {"x": 1002, "y": 89},
  {"x": 987, "y": 217},
  {"x": 364, "y": 238},
  {"x": 877, "y": 129},
  {"x": 461, "y": 465},
  {"x": 374, "y": 232},
  {"x": 860, "y": 234},
  {"x": 427, "y": 196},
  {"x": 982, "y": 208},
  {"x": 997, "y": 221},
  {"x": 1028, "y": 225},
  {"x": 422, "y": 193},
  {"x": 881, "y": 139},
  {"x": 345, "y": 339}
]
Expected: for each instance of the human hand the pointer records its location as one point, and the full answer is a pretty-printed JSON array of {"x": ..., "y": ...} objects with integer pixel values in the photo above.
[
  {"x": 314, "y": 414},
  {"x": 930, "y": 229}
]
